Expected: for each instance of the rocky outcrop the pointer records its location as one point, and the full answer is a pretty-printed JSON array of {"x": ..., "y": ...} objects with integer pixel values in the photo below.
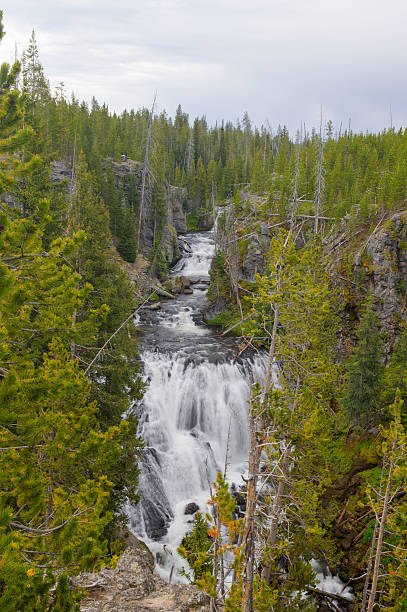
[
  {"x": 60, "y": 171},
  {"x": 374, "y": 262},
  {"x": 123, "y": 170},
  {"x": 132, "y": 587},
  {"x": 176, "y": 204},
  {"x": 362, "y": 261},
  {"x": 176, "y": 199}
]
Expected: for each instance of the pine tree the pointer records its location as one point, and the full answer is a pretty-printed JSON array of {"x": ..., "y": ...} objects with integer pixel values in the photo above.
[
  {"x": 36, "y": 89},
  {"x": 364, "y": 371},
  {"x": 55, "y": 458},
  {"x": 395, "y": 375},
  {"x": 34, "y": 82},
  {"x": 115, "y": 384}
]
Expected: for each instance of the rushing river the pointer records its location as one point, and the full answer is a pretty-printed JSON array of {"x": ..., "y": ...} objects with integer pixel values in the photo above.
[{"x": 197, "y": 397}]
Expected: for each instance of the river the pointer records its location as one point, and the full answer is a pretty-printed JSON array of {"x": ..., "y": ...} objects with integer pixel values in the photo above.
[{"x": 196, "y": 397}]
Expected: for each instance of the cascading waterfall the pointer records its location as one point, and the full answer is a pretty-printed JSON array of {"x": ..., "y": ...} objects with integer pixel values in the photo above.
[
  {"x": 189, "y": 411},
  {"x": 195, "y": 402}
]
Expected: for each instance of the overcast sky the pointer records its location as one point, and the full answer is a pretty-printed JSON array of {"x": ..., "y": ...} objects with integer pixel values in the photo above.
[{"x": 278, "y": 59}]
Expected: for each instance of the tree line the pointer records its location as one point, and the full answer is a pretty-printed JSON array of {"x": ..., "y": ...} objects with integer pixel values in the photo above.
[{"x": 68, "y": 458}]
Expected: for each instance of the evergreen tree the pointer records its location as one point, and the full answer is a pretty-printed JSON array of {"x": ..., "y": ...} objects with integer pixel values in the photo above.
[
  {"x": 115, "y": 383},
  {"x": 34, "y": 82},
  {"x": 364, "y": 371},
  {"x": 55, "y": 459}
]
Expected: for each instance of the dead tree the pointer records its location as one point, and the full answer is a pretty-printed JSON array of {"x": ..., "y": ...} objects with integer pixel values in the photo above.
[
  {"x": 319, "y": 178},
  {"x": 294, "y": 202},
  {"x": 250, "y": 516},
  {"x": 145, "y": 172},
  {"x": 394, "y": 458}
]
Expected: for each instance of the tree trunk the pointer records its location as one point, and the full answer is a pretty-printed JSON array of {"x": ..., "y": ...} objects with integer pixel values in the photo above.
[
  {"x": 277, "y": 505},
  {"x": 380, "y": 536},
  {"x": 250, "y": 519},
  {"x": 371, "y": 553},
  {"x": 144, "y": 174}
]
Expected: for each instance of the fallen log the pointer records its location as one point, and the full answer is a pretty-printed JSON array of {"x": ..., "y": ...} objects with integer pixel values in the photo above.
[{"x": 162, "y": 292}]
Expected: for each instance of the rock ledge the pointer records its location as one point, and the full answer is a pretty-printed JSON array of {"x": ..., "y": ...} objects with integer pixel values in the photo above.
[{"x": 132, "y": 587}]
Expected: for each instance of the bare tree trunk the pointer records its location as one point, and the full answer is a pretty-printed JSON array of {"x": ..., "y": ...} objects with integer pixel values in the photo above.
[
  {"x": 295, "y": 192},
  {"x": 371, "y": 553},
  {"x": 347, "y": 146},
  {"x": 380, "y": 536},
  {"x": 319, "y": 180},
  {"x": 234, "y": 261},
  {"x": 214, "y": 216},
  {"x": 277, "y": 505},
  {"x": 264, "y": 150},
  {"x": 250, "y": 523},
  {"x": 145, "y": 173},
  {"x": 272, "y": 350}
]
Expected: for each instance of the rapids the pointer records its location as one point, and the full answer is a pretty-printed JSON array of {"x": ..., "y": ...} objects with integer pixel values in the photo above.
[{"x": 195, "y": 399}]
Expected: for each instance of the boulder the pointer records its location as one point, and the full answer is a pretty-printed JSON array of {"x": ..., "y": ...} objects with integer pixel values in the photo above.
[
  {"x": 187, "y": 291},
  {"x": 191, "y": 508},
  {"x": 132, "y": 587}
]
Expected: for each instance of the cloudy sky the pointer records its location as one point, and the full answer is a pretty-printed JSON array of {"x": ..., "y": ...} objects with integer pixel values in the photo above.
[{"x": 280, "y": 60}]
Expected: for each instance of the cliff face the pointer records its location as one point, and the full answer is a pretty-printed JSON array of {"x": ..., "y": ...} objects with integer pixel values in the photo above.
[
  {"x": 366, "y": 261},
  {"x": 375, "y": 262},
  {"x": 175, "y": 222},
  {"x": 176, "y": 205}
]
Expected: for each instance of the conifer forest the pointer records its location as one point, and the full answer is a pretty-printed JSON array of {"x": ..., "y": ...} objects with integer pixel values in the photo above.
[{"x": 203, "y": 359}]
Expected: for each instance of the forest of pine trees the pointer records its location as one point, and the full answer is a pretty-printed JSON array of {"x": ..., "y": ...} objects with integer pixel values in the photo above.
[{"x": 68, "y": 457}]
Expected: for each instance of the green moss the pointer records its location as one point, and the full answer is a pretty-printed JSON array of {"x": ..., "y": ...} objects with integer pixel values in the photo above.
[
  {"x": 243, "y": 247},
  {"x": 388, "y": 254},
  {"x": 367, "y": 262}
]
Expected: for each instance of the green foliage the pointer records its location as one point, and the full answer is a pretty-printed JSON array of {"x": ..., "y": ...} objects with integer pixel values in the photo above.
[
  {"x": 195, "y": 547},
  {"x": 220, "y": 285},
  {"x": 364, "y": 370},
  {"x": 193, "y": 220},
  {"x": 115, "y": 384},
  {"x": 221, "y": 320},
  {"x": 395, "y": 376},
  {"x": 58, "y": 455}
]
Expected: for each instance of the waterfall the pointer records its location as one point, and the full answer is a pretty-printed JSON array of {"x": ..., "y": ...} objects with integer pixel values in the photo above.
[{"x": 196, "y": 399}]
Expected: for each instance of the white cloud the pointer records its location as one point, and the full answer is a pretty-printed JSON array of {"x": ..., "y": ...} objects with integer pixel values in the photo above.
[{"x": 279, "y": 59}]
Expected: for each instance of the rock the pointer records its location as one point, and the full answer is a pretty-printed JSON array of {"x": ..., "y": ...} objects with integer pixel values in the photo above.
[
  {"x": 191, "y": 508},
  {"x": 188, "y": 291},
  {"x": 132, "y": 578},
  {"x": 379, "y": 267},
  {"x": 132, "y": 587},
  {"x": 185, "y": 281},
  {"x": 60, "y": 171},
  {"x": 155, "y": 306}
]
